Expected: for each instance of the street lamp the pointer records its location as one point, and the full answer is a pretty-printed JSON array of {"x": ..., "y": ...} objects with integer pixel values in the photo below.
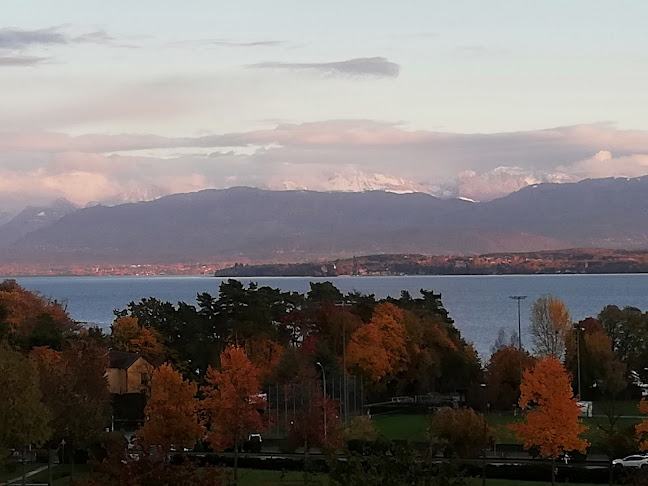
[
  {"x": 519, "y": 298},
  {"x": 324, "y": 397}
]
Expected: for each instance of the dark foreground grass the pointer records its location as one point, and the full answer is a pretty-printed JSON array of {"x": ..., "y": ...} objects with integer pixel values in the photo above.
[
  {"x": 252, "y": 477},
  {"x": 413, "y": 427}
]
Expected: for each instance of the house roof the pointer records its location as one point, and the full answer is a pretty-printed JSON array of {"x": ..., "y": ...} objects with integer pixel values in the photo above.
[{"x": 122, "y": 359}]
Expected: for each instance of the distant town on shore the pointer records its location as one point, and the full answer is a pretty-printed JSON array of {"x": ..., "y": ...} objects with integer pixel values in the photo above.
[{"x": 590, "y": 261}]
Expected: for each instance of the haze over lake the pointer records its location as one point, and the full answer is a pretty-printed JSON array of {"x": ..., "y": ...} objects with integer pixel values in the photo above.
[{"x": 480, "y": 305}]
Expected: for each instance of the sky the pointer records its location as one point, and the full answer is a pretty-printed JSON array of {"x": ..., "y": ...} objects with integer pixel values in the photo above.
[{"x": 463, "y": 98}]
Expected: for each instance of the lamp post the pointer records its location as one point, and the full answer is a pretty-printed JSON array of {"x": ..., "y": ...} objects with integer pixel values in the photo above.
[
  {"x": 519, "y": 298},
  {"x": 324, "y": 397}
]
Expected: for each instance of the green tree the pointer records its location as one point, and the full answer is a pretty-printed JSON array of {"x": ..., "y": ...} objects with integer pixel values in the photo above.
[
  {"x": 75, "y": 390},
  {"x": 465, "y": 432},
  {"x": 24, "y": 419}
]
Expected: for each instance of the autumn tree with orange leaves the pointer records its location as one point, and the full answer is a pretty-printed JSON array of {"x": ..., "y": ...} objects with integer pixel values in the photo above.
[
  {"x": 171, "y": 412},
  {"x": 379, "y": 349},
  {"x": 552, "y": 421},
  {"x": 641, "y": 429},
  {"x": 32, "y": 320},
  {"x": 232, "y": 406},
  {"x": 128, "y": 335}
]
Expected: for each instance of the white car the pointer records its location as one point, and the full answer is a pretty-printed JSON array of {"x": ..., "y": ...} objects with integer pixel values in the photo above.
[{"x": 636, "y": 461}]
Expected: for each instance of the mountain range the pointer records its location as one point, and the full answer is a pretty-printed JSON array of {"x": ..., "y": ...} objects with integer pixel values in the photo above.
[{"x": 249, "y": 224}]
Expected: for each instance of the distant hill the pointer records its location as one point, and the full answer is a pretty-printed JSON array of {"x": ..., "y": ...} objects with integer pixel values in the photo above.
[
  {"x": 33, "y": 218},
  {"x": 259, "y": 225}
]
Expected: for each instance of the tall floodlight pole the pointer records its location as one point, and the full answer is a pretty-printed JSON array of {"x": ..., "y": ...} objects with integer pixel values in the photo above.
[
  {"x": 345, "y": 392},
  {"x": 324, "y": 396},
  {"x": 519, "y": 298}
]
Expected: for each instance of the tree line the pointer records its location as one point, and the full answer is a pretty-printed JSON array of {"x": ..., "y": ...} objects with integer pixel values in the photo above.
[{"x": 216, "y": 359}]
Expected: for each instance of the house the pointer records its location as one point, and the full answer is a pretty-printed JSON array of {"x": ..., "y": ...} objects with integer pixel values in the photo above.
[{"x": 128, "y": 373}]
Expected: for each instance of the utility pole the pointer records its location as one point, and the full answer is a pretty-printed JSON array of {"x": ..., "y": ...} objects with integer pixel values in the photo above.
[
  {"x": 519, "y": 298},
  {"x": 345, "y": 391}
]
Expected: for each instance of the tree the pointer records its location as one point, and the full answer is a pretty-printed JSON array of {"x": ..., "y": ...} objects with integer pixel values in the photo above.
[
  {"x": 232, "y": 406},
  {"x": 465, "y": 432},
  {"x": 503, "y": 376},
  {"x": 552, "y": 422},
  {"x": 550, "y": 324},
  {"x": 75, "y": 390},
  {"x": 308, "y": 428},
  {"x": 29, "y": 318},
  {"x": 24, "y": 419},
  {"x": 361, "y": 428},
  {"x": 171, "y": 412},
  {"x": 642, "y": 428},
  {"x": 149, "y": 468},
  {"x": 128, "y": 335},
  {"x": 628, "y": 331},
  {"x": 501, "y": 341},
  {"x": 378, "y": 349}
]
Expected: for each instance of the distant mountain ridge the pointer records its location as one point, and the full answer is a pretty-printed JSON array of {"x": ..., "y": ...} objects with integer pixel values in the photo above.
[
  {"x": 33, "y": 218},
  {"x": 261, "y": 225}
]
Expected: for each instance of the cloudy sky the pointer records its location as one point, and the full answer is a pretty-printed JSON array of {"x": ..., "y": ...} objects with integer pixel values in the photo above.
[{"x": 466, "y": 98}]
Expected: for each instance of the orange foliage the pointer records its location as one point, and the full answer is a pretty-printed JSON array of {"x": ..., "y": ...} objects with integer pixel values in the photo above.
[
  {"x": 23, "y": 308},
  {"x": 641, "y": 430},
  {"x": 379, "y": 349},
  {"x": 232, "y": 404},
  {"x": 266, "y": 356},
  {"x": 171, "y": 412},
  {"x": 128, "y": 335},
  {"x": 552, "y": 423}
]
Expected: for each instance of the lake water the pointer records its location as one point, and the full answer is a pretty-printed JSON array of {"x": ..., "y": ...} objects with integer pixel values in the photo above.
[{"x": 480, "y": 305}]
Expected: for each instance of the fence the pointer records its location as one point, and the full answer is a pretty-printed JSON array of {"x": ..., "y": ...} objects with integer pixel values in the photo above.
[{"x": 286, "y": 401}]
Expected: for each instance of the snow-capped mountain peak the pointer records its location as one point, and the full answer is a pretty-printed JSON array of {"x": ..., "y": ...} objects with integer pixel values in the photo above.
[{"x": 354, "y": 181}]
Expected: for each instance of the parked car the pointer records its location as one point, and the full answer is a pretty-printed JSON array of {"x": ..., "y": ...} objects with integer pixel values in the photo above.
[
  {"x": 636, "y": 461},
  {"x": 253, "y": 443}
]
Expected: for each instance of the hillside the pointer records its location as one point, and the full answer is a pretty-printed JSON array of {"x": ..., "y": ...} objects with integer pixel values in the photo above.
[{"x": 259, "y": 225}]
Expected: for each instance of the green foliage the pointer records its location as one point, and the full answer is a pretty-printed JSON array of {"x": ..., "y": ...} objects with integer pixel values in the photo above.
[
  {"x": 45, "y": 332},
  {"x": 24, "y": 418},
  {"x": 465, "y": 433}
]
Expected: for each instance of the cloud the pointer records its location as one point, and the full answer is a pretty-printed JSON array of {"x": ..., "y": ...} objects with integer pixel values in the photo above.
[
  {"x": 19, "y": 60},
  {"x": 21, "y": 39},
  {"x": 375, "y": 67},
  {"x": 477, "y": 166},
  {"x": 16, "y": 39},
  {"x": 229, "y": 43}
]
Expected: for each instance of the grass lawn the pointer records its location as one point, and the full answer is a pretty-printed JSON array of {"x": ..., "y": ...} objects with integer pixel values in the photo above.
[
  {"x": 624, "y": 407},
  {"x": 413, "y": 427},
  {"x": 61, "y": 474},
  {"x": 5, "y": 475}
]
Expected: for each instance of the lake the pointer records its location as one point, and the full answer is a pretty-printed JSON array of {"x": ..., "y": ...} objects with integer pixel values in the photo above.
[{"x": 480, "y": 305}]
